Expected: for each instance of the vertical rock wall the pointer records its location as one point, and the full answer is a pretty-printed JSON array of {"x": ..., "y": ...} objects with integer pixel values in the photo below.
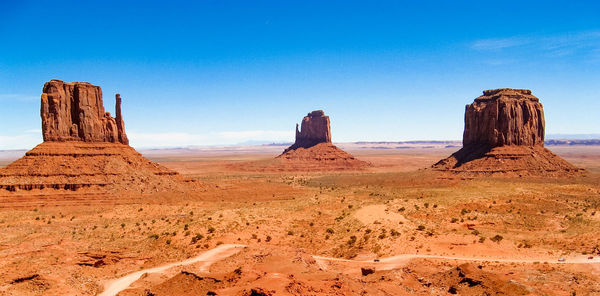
[
  {"x": 315, "y": 129},
  {"x": 502, "y": 117},
  {"x": 75, "y": 112}
]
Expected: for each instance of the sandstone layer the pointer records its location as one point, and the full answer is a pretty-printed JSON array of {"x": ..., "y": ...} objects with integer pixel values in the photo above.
[
  {"x": 504, "y": 134},
  {"x": 75, "y": 112},
  {"x": 85, "y": 150},
  {"x": 315, "y": 129},
  {"x": 86, "y": 167}
]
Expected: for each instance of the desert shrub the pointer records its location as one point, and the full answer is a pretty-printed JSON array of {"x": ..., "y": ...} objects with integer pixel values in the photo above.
[
  {"x": 168, "y": 242},
  {"x": 254, "y": 236},
  {"x": 153, "y": 236},
  {"x": 186, "y": 227},
  {"x": 196, "y": 238},
  {"x": 426, "y": 205},
  {"x": 330, "y": 231},
  {"x": 475, "y": 232},
  {"x": 497, "y": 238},
  {"x": 352, "y": 240},
  {"x": 481, "y": 239},
  {"x": 122, "y": 225},
  {"x": 393, "y": 232},
  {"x": 402, "y": 209},
  {"x": 454, "y": 220},
  {"x": 311, "y": 224},
  {"x": 268, "y": 239},
  {"x": 421, "y": 227},
  {"x": 290, "y": 232},
  {"x": 367, "y": 231},
  {"x": 211, "y": 229}
]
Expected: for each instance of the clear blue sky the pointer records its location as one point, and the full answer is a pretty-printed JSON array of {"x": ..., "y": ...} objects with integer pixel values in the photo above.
[{"x": 225, "y": 72}]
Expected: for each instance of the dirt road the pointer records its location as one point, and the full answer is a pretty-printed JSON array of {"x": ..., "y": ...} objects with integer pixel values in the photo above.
[
  {"x": 223, "y": 251},
  {"x": 395, "y": 261},
  {"x": 114, "y": 287}
]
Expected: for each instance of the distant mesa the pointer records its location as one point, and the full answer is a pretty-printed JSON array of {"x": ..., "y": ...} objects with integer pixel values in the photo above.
[
  {"x": 504, "y": 134},
  {"x": 313, "y": 149},
  {"x": 84, "y": 150}
]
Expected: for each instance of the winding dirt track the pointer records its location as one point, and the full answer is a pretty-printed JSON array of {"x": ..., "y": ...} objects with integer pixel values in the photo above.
[
  {"x": 221, "y": 252},
  {"x": 395, "y": 261}
]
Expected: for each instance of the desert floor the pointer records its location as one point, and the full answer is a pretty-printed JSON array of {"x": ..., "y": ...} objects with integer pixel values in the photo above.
[{"x": 478, "y": 235}]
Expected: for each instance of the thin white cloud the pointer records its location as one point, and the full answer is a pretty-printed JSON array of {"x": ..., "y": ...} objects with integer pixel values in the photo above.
[
  {"x": 18, "y": 97},
  {"x": 216, "y": 138},
  {"x": 33, "y": 131},
  {"x": 498, "y": 43},
  {"x": 25, "y": 141},
  {"x": 249, "y": 135},
  {"x": 554, "y": 46}
]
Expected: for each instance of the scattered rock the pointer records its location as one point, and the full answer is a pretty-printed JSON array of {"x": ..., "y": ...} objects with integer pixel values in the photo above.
[
  {"x": 258, "y": 292},
  {"x": 25, "y": 278},
  {"x": 367, "y": 271}
]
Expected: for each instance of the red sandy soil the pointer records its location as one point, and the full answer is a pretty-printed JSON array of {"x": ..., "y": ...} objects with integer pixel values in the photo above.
[
  {"x": 318, "y": 158},
  {"x": 57, "y": 246}
]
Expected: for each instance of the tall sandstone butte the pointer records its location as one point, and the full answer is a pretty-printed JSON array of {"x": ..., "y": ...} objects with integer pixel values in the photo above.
[
  {"x": 313, "y": 150},
  {"x": 84, "y": 150},
  {"x": 75, "y": 112},
  {"x": 504, "y": 117},
  {"x": 315, "y": 129},
  {"x": 504, "y": 134}
]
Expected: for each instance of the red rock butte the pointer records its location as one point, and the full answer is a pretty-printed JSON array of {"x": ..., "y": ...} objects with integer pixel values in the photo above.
[
  {"x": 504, "y": 134},
  {"x": 313, "y": 150},
  {"x": 84, "y": 150}
]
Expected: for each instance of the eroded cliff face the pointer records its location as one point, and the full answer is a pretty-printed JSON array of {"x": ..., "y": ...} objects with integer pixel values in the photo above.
[
  {"x": 504, "y": 135},
  {"x": 83, "y": 152},
  {"x": 503, "y": 117},
  {"x": 75, "y": 112},
  {"x": 315, "y": 129}
]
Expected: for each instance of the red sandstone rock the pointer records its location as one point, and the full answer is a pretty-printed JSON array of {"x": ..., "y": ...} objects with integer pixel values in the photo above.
[
  {"x": 75, "y": 112},
  {"x": 504, "y": 117},
  {"x": 83, "y": 151},
  {"x": 315, "y": 129},
  {"x": 313, "y": 150},
  {"x": 504, "y": 134}
]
